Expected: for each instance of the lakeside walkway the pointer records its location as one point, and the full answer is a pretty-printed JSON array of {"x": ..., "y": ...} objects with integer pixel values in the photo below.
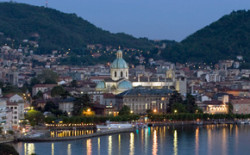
[{"x": 97, "y": 134}]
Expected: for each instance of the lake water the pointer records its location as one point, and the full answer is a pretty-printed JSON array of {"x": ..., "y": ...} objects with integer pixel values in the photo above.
[{"x": 178, "y": 140}]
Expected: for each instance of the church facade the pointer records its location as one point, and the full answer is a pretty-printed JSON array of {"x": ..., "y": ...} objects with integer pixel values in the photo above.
[
  {"x": 118, "y": 81},
  {"x": 119, "y": 77}
]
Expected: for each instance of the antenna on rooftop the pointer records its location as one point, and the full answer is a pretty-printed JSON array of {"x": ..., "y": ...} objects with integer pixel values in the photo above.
[{"x": 46, "y": 4}]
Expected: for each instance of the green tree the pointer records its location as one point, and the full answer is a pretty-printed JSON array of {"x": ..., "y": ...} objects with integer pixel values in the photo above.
[
  {"x": 178, "y": 108},
  {"x": 81, "y": 103},
  {"x": 230, "y": 108},
  {"x": 57, "y": 91},
  {"x": 34, "y": 117},
  {"x": 50, "y": 106},
  {"x": 174, "y": 98},
  {"x": 34, "y": 81},
  {"x": 48, "y": 77},
  {"x": 124, "y": 111},
  {"x": 190, "y": 104},
  {"x": 39, "y": 95},
  {"x": 73, "y": 83}
]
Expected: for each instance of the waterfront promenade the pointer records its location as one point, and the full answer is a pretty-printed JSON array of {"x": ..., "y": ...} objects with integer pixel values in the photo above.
[{"x": 96, "y": 134}]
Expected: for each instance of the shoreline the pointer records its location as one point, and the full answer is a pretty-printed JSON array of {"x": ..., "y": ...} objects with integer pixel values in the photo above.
[
  {"x": 96, "y": 134},
  {"x": 110, "y": 132}
]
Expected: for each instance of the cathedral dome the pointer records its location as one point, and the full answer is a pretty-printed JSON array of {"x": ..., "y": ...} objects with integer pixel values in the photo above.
[
  {"x": 125, "y": 85},
  {"x": 119, "y": 62}
]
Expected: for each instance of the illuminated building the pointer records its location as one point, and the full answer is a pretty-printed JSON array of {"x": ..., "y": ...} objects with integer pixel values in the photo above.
[
  {"x": 141, "y": 99},
  {"x": 118, "y": 81}
]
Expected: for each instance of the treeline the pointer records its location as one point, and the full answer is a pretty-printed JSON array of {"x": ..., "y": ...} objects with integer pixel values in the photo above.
[
  {"x": 55, "y": 30},
  {"x": 223, "y": 39},
  {"x": 190, "y": 117}
]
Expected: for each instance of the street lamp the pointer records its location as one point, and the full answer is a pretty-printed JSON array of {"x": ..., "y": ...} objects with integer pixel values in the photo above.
[
  {"x": 155, "y": 111},
  {"x": 175, "y": 111}
]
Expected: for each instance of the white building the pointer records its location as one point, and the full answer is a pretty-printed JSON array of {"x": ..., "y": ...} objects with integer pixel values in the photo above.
[
  {"x": 16, "y": 104},
  {"x": 5, "y": 116}
]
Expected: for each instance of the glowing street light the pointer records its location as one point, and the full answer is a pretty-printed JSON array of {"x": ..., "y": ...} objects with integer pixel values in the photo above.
[
  {"x": 131, "y": 112},
  {"x": 175, "y": 111},
  {"x": 155, "y": 111}
]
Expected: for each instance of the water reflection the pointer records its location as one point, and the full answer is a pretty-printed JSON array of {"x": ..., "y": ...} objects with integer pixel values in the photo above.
[
  {"x": 68, "y": 133},
  {"x": 197, "y": 141},
  {"x": 236, "y": 138},
  {"x": 132, "y": 144},
  {"x": 207, "y": 140},
  {"x": 110, "y": 145},
  {"x": 224, "y": 141},
  {"x": 155, "y": 144},
  {"x": 69, "y": 149},
  {"x": 146, "y": 139},
  {"x": 119, "y": 143},
  {"x": 29, "y": 148},
  {"x": 99, "y": 145},
  {"x": 89, "y": 147},
  {"x": 175, "y": 143},
  {"x": 52, "y": 148}
]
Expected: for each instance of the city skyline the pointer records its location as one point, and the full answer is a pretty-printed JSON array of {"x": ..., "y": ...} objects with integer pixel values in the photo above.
[{"x": 172, "y": 20}]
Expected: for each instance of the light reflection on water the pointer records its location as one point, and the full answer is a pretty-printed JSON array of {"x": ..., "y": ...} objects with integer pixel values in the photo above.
[
  {"x": 69, "y": 133},
  {"x": 175, "y": 143},
  {"x": 52, "y": 149},
  {"x": 89, "y": 146},
  {"x": 211, "y": 139},
  {"x": 110, "y": 145},
  {"x": 155, "y": 145},
  {"x": 197, "y": 141}
]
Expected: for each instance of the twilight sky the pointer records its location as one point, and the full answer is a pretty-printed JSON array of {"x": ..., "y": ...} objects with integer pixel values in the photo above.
[{"x": 154, "y": 19}]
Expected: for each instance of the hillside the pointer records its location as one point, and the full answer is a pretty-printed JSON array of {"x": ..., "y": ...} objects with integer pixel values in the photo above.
[
  {"x": 223, "y": 39},
  {"x": 56, "y": 30}
]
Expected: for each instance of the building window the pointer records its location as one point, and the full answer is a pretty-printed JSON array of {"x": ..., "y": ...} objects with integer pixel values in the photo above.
[
  {"x": 121, "y": 74},
  {"x": 126, "y": 74},
  {"x": 115, "y": 74}
]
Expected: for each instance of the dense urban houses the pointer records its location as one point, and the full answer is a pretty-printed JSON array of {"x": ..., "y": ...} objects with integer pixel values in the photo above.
[
  {"x": 241, "y": 105},
  {"x": 42, "y": 88},
  {"x": 141, "y": 99}
]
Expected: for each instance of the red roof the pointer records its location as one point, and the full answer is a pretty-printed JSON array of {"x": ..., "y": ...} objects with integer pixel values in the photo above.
[{"x": 241, "y": 101}]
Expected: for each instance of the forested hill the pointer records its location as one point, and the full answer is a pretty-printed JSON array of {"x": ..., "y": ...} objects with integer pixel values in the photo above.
[
  {"x": 223, "y": 39},
  {"x": 57, "y": 30}
]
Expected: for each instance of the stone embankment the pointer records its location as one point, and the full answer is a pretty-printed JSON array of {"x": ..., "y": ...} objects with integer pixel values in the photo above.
[
  {"x": 7, "y": 139},
  {"x": 97, "y": 134}
]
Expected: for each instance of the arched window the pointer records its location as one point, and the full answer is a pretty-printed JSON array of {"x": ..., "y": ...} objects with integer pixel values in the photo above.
[
  {"x": 126, "y": 74},
  {"x": 121, "y": 74},
  {"x": 115, "y": 74}
]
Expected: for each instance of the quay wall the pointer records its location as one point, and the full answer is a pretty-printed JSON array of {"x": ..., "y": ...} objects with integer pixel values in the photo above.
[{"x": 97, "y": 134}]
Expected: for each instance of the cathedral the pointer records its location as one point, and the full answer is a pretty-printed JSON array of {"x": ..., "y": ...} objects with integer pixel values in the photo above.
[
  {"x": 119, "y": 82},
  {"x": 119, "y": 77}
]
